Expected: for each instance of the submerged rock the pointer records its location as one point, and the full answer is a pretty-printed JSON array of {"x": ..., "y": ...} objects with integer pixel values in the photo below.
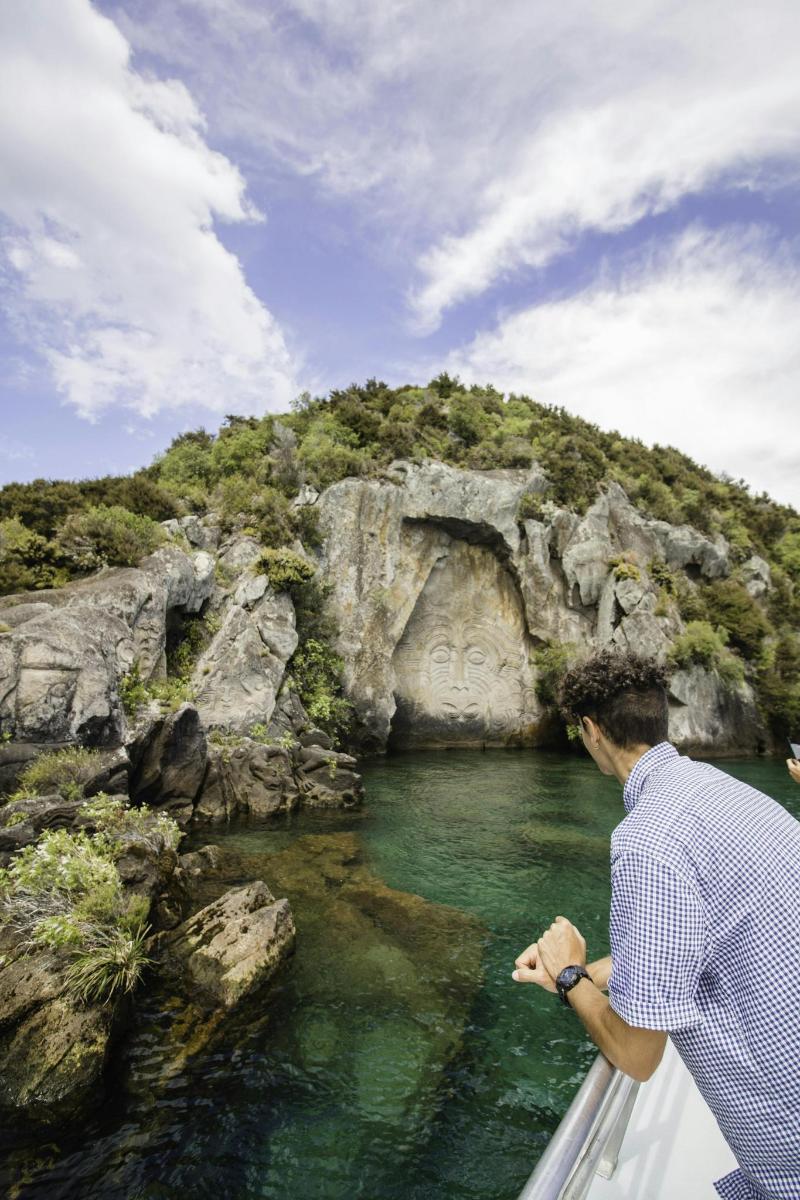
[{"x": 378, "y": 968}]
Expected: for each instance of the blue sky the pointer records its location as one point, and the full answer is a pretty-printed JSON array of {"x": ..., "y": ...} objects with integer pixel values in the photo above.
[{"x": 208, "y": 206}]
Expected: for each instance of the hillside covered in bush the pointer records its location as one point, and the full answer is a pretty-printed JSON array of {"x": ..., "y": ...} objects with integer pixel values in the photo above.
[{"x": 250, "y": 472}]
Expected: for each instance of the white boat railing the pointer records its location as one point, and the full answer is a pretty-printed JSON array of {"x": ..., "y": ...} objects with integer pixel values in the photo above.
[{"x": 588, "y": 1140}]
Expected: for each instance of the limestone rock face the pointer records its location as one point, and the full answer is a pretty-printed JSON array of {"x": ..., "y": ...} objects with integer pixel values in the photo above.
[
  {"x": 442, "y": 596},
  {"x": 234, "y": 945},
  {"x": 709, "y": 716},
  {"x": 757, "y": 576},
  {"x": 382, "y": 542},
  {"x": 61, "y": 663},
  {"x": 238, "y": 676},
  {"x": 170, "y": 764}
]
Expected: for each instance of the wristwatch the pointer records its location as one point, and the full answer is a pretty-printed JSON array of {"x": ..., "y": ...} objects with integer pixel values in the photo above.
[{"x": 567, "y": 979}]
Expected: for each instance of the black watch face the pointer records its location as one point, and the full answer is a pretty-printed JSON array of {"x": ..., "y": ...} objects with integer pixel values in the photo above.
[{"x": 570, "y": 976}]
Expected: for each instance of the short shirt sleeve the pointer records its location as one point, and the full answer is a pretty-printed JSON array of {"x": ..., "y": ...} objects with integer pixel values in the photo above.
[{"x": 657, "y": 944}]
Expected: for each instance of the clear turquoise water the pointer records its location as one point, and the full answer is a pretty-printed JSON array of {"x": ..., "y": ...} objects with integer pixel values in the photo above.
[{"x": 341, "y": 1089}]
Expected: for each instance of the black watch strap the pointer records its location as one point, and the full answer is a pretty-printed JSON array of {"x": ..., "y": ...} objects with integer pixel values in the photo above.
[{"x": 568, "y": 978}]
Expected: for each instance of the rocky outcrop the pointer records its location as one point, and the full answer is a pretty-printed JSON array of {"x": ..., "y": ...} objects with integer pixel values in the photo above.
[
  {"x": 710, "y": 716},
  {"x": 238, "y": 676},
  {"x": 231, "y": 947},
  {"x": 442, "y": 597},
  {"x": 62, "y": 661},
  {"x": 169, "y": 763},
  {"x": 52, "y": 1048},
  {"x": 247, "y": 776}
]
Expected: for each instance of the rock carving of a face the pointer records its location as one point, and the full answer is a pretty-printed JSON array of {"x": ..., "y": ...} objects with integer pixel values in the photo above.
[
  {"x": 461, "y": 667},
  {"x": 466, "y": 669}
]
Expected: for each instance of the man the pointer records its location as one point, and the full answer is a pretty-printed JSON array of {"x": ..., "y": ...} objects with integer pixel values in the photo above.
[{"x": 705, "y": 928}]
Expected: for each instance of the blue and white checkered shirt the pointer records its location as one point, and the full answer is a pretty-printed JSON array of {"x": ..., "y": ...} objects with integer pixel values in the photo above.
[{"x": 705, "y": 943}]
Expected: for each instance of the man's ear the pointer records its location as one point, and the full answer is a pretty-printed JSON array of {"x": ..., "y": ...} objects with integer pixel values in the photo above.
[{"x": 592, "y": 730}]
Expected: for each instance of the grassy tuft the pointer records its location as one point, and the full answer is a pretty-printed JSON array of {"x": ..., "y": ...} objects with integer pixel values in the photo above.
[{"x": 109, "y": 967}]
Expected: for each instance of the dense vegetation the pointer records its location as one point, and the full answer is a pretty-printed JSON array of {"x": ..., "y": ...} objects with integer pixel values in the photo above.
[
  {"x": 252, "y": 469},
  {"x": 64, "y": 893}
]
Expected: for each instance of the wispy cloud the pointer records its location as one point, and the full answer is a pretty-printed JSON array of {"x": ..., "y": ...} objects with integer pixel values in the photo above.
[
  {"x": 693, "y": 342},
  {"x": 486, "y": 142},
  {"x": 12, "y": 450},
  {"x": 110, "y": 193}
]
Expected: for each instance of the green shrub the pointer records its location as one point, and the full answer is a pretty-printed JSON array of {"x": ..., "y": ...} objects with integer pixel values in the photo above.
[
  {"x": 729, "y": 605},
  {"x": 171, "y": 693},
  {"x": 530, "y": 507},
  {"x": 241, "y": 446},
  {"x": 108, "y": 535},
  {"x": 28, "y": 561},
  {"x": 624, "y": 566},
  {"x": 663, "y": 576},
  {"x": 113, "y": 819},
  {"x": 285, "y": 570},
  {"x": 787, "y": 553},
  {"x": 133, "y": 691},
  {"x": 61, "y": 890},
  {"x": 468, "y": 420},
  {"x": 315, "y": 671},
  {"x": 552, "y": 663},
  {"x": 63, "y": 771},
  {"x": 703, "y": 645},
  {"x": 779, "y": 684}
]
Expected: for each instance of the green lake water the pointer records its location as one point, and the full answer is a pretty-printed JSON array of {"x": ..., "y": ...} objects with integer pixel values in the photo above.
[{"x": 394, "y": 1059}]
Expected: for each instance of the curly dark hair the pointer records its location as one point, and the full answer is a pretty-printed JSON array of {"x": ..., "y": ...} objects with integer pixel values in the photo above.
[{"x": 625, "y": 693}]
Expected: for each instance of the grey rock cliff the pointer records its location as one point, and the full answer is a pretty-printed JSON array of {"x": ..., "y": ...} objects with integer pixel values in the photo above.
[
  {"x": 442, "y": 597},
  {"x": 61, "y": 664}
]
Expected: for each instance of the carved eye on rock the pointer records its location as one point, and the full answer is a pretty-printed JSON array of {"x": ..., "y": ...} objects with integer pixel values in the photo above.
[
  {"x": 441, "y": 654},
  {"x": 476, "y": 656}
]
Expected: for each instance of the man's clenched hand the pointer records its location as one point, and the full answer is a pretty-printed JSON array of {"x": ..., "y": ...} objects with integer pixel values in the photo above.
[
  {"x": 561, "y": 946},
  {"x": 529, "y": 969}
]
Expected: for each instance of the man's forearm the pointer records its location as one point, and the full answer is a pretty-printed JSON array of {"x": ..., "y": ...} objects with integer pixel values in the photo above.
[
  {"x": 600, "y": 971},
  {"x": 637, "y": 1052}
]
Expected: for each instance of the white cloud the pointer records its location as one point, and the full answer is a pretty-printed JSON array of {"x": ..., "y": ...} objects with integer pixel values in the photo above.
[
  {"x": 110, "y": 194},
  {"x": 478, "y": 140},
  {"x": 695, "y": 344}
]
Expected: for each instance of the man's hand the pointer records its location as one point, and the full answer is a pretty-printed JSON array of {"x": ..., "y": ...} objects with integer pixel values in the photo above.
[
  {"x": 561, "y": 946},
  {"x": 530, "y": 969},
  {"x": 543, "y": 960},
  {"x": 794, "y": 769}
]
